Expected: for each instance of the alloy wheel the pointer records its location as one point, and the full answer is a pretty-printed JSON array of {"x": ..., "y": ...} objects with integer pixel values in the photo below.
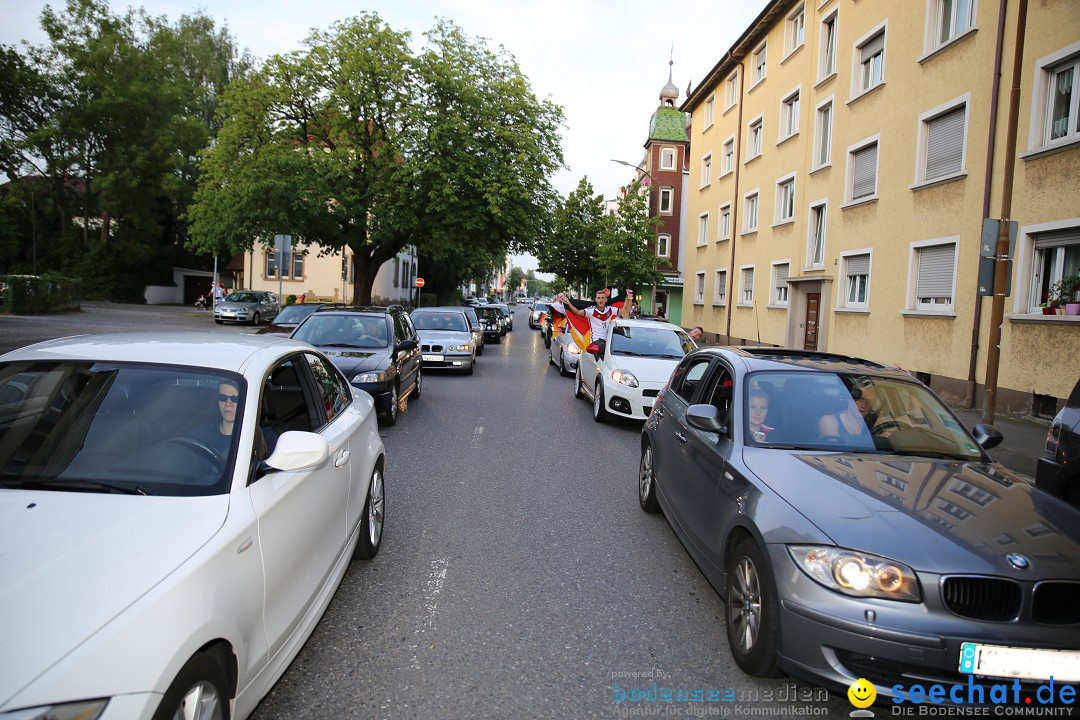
[
  {"x": 375, "y": 509},
  {"x": 201, "y": 702},
  {"x": 745, "y": 603},
  {"x": 645, "y": 474}
]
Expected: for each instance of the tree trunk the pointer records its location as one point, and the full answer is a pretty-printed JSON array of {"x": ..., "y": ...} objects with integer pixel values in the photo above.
[{"x": 106, "y": 222}]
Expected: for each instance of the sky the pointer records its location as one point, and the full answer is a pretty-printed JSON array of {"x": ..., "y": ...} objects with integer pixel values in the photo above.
[{"x": 603, "y": 61}]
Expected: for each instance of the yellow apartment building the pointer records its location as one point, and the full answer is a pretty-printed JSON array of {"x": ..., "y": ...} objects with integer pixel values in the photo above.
[{"x": 843, "y": 156}]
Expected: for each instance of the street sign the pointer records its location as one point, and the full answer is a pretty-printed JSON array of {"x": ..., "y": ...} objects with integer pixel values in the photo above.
[
  {"x": 986, "y": 277},
  {"x": 419, "y": 282},
  {"x": 283, "y": 243},
  {"x": 990, "y": 230}
]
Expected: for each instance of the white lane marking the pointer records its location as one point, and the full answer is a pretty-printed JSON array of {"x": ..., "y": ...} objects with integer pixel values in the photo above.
[{"x": 432, "y": 589}]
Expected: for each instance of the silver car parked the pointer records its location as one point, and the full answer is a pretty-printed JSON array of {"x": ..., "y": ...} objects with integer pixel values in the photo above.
[{"x": 251, "y": 306}]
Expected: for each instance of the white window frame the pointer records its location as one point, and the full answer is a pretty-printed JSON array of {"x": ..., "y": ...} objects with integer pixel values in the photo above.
[
  {"x": 723, "y": 222},
  {"x": 670, "y": 194},
  {"x": 823, "y": 206},
  {"x": 763, "y": 51},
  {"x": 706, "y": 171},
  {"x": 297, "y": 257},
  {"x": 844, "y": 286},
  {"x": 663, "y": 240},
  {"x": 699, "y": 288},
  {"x": 725, "y": 166},
  {"x": 720, "y": 287},
  {"x": 1025, "y": 300},
  {"x": 710, "y": 111},
  {"x": 912, "y": 304},
  {"x": 857, "y": 87},
  {"x": 270, "y": 260},
  {"x": 778, "y": 217},
  {"x": 731, "y": 91},
  {"x": 703, "y": 229},
  {"x": 849, "y": 178},
  {"x": 756, "y": 194},
  {"x": 819, "y": 138},
  {"x": 795, "y": 30},
  {"x": 789, "y": 114},
  {"x": 933, "y": 42},
  {"x": 921, "y": 158},
  {"x": 743, "y": 302},
  {"x": 759, "y": 120},
  {"x": 774, "y": 298},
  {"x": 1039, "y": 124},
  {"x": 826, "y": 69},
  {"x": 665, "y": 153}
]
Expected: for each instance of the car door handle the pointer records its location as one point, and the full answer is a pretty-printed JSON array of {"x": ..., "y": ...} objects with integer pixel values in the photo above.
[
  {"x": 679, "y": 436},
  {"x": 343, "y": 460},
  {"x": 659, "y": 411}
]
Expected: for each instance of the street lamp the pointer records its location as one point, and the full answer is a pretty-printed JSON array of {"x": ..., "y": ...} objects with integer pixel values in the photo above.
[{"x": 640, "y": 169}]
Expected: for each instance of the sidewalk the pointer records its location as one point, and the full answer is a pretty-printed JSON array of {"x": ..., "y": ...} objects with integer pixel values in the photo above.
[{"x": 1023, "y": 443}]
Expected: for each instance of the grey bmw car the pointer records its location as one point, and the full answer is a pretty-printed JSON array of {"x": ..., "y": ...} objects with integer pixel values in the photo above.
[
  {"x": 856, "y": 529},
  {"x": 446, "y": 340}
]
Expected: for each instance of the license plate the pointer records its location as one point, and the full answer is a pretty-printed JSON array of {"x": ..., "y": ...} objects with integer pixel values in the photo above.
[
  {"x": 432, "y": 358},
  {"x": 1014, "y": 662}
]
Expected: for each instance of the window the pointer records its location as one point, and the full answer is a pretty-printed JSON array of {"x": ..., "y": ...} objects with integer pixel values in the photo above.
[
  {"x": 1061, "y": 112},
  {"x": 663, "y": 245},
  {"x": 298, "y": 266},
  {"x": 941, "y": 147},
  {"x": 1057, "y": 255},
  {"x": 665, "y": 200},
  {"x": 720, "y": 289},
  {"x": 871, "y": 59},
  {"x": 951, "y": 18},
  {"x": 667, "y": 158},
  {"x": 780, "y": 286},
  {"x": 796, "y": 28},
  {"x": 934, "y": 276},
  {"x": 731, "y": 95},
  {"x": 334, "y": 393},
  {"x": 815, "y": 246},
  {"x": 345, "y": 268},
  {"x": 684, "y": 382},
  {"x": 759, "y": 63},
  {"x": 785, "y": 200},
  {"x": 729, "y": 155},
  {"x": 710, "y": 106},
  {"x": 789, "y": 115},
  {"x": 699, "y": 288},
  {"x": 746, "y": 293},
  {"x": 753, "y": 148},
  {"x": 862, "y": 172},
  {"x": 1055, "y": 104},
  {"x": 724, "y": 224},
  {"x": 856, "y": 280},
  {"x": 750, "y": 212},
  {"x": 706, "y": 170},
  {"x": 827, "y": 59},
  {"x": 271, "y": 263},
  {"x": 823, "y": 136},
  {"x": 703, "y": 229}
]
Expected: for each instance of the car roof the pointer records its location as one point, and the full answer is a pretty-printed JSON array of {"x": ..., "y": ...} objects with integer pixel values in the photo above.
[
  {"x": 646, "y": 323},
  {"x": 358, "y": 310},
  {"x": 217, "y": 350},
  {"x": 774, "y": 358}
]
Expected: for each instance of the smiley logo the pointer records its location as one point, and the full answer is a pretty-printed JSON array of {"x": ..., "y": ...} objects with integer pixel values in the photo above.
[{"x": 862, "y": 693}]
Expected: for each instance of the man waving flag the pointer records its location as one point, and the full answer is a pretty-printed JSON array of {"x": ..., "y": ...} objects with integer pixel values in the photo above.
[{"x": 588, "y": 323}]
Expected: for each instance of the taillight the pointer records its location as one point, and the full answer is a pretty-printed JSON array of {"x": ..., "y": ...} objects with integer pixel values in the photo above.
[{"x": 1052, "y": 438}]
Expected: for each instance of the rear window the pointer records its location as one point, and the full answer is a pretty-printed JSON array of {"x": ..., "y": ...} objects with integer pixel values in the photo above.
[
  {"x": 295, "y": 313},
  {"x": 350, "y": 331}
]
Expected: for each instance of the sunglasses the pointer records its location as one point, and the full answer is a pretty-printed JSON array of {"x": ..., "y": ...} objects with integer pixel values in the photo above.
[{"x": 222, "y": 397}]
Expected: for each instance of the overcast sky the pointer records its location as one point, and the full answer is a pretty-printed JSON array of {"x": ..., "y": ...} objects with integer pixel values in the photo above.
[{"x": 604, "y": 62}]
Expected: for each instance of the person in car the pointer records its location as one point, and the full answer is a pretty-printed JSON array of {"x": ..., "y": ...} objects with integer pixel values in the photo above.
[
  {"x": 695, "y": 333},
  {"x": 759, "y": 410},
  {"x": 216, "y": 434},
  {"x": 850, "y": 427},
  {"x": 600, "y": 316}
]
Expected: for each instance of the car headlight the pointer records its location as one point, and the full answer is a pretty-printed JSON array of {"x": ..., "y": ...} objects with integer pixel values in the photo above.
[
  {"x": 82, "y": 710},
  {"x": 573, "y": 349},
  {"x": 624, "y": 377},
  {"x": 460, "y": 348},
  {"x": 855, "y": 573},
  {"x": 370, "y": 377}
]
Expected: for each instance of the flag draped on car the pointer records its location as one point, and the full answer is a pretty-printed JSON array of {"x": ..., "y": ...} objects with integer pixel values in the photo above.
[{"x": 578, "y": 327}]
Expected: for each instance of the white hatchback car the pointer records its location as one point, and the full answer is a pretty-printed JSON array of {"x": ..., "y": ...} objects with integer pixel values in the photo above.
[
  {"x": 637, "y": 362},
  {"x": 176, "y": 512}
]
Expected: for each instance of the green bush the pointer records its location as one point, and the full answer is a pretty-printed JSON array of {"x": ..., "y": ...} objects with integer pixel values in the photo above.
[
  {"x": 290, "y": 300},
  {"x": 428, "y": 299},
  {"x": 30, "y": 295}
]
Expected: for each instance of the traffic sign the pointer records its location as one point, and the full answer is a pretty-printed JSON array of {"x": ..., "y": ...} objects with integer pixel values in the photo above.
[{"x": 419, "y": 282}]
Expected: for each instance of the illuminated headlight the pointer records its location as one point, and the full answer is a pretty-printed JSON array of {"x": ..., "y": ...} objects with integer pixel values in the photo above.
[
  {"x": 83, "y": 710},
  {"x": 573, "y": 349},
  {"x": 857, "y": 574},
  {"x": 622, "y": 376},
  {"x": 459, "y": 348},
  {"x": 369, "y": 377},
  {"x": 536, "y": 316}
]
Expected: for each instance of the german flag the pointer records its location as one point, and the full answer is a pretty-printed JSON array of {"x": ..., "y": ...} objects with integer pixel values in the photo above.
[{"x": 578, "y": 327}]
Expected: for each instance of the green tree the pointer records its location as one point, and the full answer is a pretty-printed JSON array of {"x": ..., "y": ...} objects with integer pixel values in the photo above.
[
  {"x": 572, "y": 249},
  {"x": 516, "y": 276},
  {"x": 358, "y": 142},
  {"x": 625, "y": 256}
]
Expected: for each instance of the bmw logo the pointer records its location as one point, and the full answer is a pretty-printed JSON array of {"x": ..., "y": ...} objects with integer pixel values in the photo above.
[{"x": 1018, "y": 561}]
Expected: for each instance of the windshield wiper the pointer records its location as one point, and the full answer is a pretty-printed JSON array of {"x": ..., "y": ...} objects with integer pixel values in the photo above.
[
  {"x": 357, "y": 347},
  {"x": 669, "y": 356},
  {"x": 82, "y": 484},
  {"x": 932, "y": 454},
  {"x": 628, "y": 352}
]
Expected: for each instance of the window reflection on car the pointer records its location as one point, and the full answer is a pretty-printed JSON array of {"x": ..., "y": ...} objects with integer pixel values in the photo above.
[
  {"x": 350, "y": 331},
  {"x": 650, "y": 342},
  {"x": 449, "y": 321}
]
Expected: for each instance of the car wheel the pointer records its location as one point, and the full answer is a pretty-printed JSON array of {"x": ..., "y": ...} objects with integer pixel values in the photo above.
[
  {"x": 392, "y": 413},
  {"x": 256, "y": 320},
  {"x": 480, "y": 349},
  {"x": 371, "y": 526},
  {"x": 579, "y": 388},
  {"x": 469, "y": 370},
  {"x": 547, "y": 340},
  {"x": 647, "y": 481},
  {"x": 599, "y": 414},
  {"x": 498, "y": 338},
  {"x": 753, "y": 628},
  {"x": 551, "y": 359},
  {"x": 563, "y": 370},
  {"x": 199, "y": 691},
  {"x": 419, "y": 382},
  {"x": 219, "y": 322}
]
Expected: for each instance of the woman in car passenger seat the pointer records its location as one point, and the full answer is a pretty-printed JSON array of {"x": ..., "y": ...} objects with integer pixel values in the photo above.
[{"x": 759, "y": 409}]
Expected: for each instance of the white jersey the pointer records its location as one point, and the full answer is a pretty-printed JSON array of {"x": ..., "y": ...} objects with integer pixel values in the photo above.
[{"x": 600, "y": 322}]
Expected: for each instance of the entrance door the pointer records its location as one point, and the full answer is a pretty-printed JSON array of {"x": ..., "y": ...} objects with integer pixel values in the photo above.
[
  {"x": 662, "y": 300},
  {"x": 813, "y": 303}
]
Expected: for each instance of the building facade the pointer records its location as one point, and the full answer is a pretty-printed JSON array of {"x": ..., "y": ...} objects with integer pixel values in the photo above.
[{"x": 844, "y": 155}]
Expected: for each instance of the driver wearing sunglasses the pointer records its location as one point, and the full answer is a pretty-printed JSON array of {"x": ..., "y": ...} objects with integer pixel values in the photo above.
[{"x": 216, "y": 434}]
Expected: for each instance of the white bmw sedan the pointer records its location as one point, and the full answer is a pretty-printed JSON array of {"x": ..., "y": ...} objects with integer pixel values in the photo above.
[{"x": 176, "y": 512}]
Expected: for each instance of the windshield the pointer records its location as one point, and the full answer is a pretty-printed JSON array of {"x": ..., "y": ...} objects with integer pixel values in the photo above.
[
  {"x": 294, "y": 314},
  {"x": 136, "y": 429},
  {"x": 660, "y": 342},
  {"x": 489, "y": 313},
  {"x": 830, "y": 411},
  {"x": 540, "y": 307},
  {"x": 451, "y": 321},
  {"x": 242, "y": 297},
  {"x": 356, "y": 331}
]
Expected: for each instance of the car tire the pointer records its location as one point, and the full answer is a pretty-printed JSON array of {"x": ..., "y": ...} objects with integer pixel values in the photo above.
[
  {"x": 647, "y": 480},
  {"x": 202, "y": 683},
  {"x": 752, "y": 612},
  {"x": 579, "y": 389},
  {"x": 469, "y": 370},
  {"x": 498, "y": 339},
  {"x": 547, "y": 340},
  {"x": 480, "y": 349},
  {"x": 392, "y": 412},
  {"x": 599, "y": 413},
  {"x": 551, "y": 360},
  {"x": 219, "y": 322},
  {"x": 371, "y": 525},
  {"x": 419, "y": 383},
  {"x": 256, "y": 319},
  {"x": 562, "y": 365}
]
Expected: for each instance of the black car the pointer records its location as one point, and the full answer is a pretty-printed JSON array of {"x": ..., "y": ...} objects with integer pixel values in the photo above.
[
  {"x": 508, "y": 317},
  {"x": 856, "y": 529},
  {"x": 491, "y": 322},
  {"x": 376, "y": 348},
  {"x": 291, "y": 316},
  {"x": 1058, "y": 470}
]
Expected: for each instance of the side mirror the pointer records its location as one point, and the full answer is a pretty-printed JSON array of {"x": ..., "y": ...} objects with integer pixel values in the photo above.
[
  {"x": 594, "y": 350},
  {"x": 705, "y": 417},
  {"x": 987, "y": 436},
  {"x": 296, "y": 450},
  {"x": 405, "y": 345},
  {"x": 476, "y": 328}
]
